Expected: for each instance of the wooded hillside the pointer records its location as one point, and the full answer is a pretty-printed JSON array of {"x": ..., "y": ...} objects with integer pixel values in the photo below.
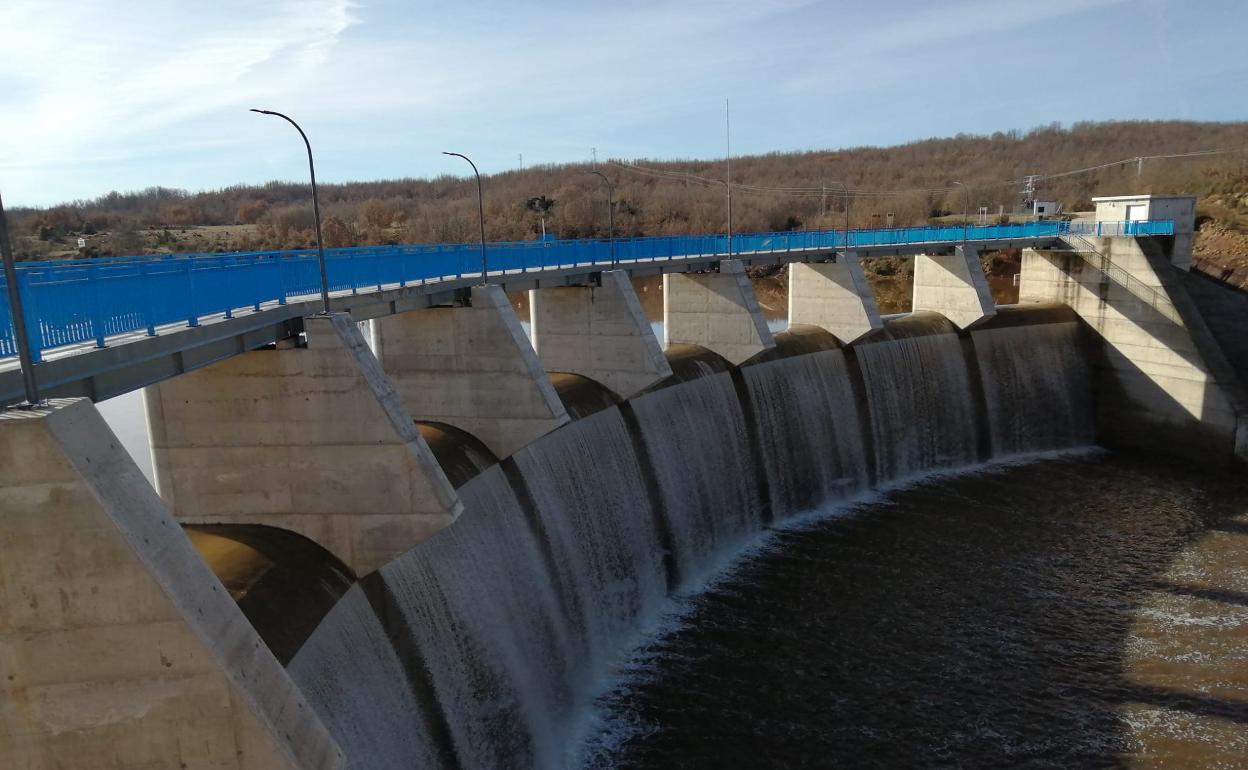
[{"x": 771, "y": 192}]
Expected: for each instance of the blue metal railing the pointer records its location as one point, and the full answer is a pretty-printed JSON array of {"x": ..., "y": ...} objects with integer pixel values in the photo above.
[{"x": 75, "y": 301}]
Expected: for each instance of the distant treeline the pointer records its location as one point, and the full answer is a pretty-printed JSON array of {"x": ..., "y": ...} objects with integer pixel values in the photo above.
[{"x": 573, "y": 202}]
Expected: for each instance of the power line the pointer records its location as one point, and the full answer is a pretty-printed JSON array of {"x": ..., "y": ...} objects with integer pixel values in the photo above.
[{"x": 819, "y": 192}]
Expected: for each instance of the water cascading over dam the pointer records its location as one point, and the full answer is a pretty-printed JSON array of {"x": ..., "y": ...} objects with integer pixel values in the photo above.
[{"x": 487, "y": 645}]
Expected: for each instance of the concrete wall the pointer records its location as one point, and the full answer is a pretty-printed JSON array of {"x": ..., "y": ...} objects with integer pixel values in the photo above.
[
  {"x": 715, "y": 310},
  {"x": 834, "y": 296},
  {"x": 471, "y": 367},
  {"x": 953, "y": 285},
  {"x": 314, "y": 440},
  {"x": 599, "y": 332},
  {"x": 1165, "y": 384},
  {"x": 118, "y": 646}
]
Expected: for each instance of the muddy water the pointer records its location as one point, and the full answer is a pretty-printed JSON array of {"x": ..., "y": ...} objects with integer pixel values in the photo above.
[{"x": 1088, "y": 612}]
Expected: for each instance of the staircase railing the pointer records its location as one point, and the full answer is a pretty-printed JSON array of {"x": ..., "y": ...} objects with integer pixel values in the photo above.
[{"x": 1087, "y": 250}]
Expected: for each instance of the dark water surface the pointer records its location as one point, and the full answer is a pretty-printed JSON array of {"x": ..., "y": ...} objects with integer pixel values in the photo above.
[{"x": 1086, "y": 612}]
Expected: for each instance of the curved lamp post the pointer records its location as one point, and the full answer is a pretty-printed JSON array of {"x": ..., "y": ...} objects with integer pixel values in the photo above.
[
  {"x": 480, "y": 208},
  {"x": 966, "y": 209},
  {"x": 20, "y": 339},
  {"x": 316, "y": 208},
  {"x": 610, "y": 211}
]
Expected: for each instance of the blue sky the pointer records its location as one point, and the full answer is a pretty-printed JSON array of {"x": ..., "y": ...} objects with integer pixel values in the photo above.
[{"x": 97, "y": 96}]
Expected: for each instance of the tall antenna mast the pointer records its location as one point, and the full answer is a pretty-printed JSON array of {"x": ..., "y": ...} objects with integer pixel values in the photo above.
[{"x": 728, "y": 146}]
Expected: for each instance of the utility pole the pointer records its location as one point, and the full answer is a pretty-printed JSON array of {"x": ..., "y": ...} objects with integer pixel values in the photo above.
[
  {"x": 521, "y": 157},
  {"x": 966, "y": 209},
  {"x": 1029, "y": 191},
  {"x": 594, "y": 152},
  {"x": 610, "y": 212},
  {"x": 823, "y": 200}
]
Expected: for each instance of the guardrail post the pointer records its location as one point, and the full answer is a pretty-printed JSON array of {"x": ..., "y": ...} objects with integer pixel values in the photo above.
[
  {"x": 192, "y": 313},
  {"x": 146, "y": 291},
  {"x": 97, "y": 305},
  {"x": 281, "y": 279},
  {"x": 30, "y": 315},
  {"x": 253, "y": 272}
]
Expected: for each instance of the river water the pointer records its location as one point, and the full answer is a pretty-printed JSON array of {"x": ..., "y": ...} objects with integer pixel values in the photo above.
[{"x": 1082, "y": 612}]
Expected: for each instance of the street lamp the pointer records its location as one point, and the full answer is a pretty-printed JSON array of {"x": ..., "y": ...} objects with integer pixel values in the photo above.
[
  {"x": 15, "y": 309},
  {"x": 316, "y": 208},
  {"x": 480, "y": 208},
  {"x": 966, "y": 208},
  {"x": 610, "y": 211}
]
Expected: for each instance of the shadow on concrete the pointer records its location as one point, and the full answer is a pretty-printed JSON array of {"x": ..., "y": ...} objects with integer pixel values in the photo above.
[{"x": 282, "y": 581}]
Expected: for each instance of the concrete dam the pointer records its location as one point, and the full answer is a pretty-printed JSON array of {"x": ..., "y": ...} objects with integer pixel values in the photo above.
[
  {"x": 426, "y": 539},
  {"x": 482, "y": 647}
]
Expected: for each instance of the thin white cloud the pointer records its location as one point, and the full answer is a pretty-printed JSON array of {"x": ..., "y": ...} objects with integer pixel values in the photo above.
[{"x": 117, "y": 73}]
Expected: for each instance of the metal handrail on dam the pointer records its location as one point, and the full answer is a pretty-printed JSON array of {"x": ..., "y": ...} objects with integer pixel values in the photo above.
[
  {"x": 80, "y": 301},
  {"x": 1086, "y": 250}
]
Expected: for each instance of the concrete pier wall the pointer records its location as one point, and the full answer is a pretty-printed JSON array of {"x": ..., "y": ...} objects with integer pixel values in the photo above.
[
  {"x": 717, "y": 310},
  {"x": 834, "y": 296},
  {"x": 119, "y": 648},
  {"x": 1165, "y": 385},
  {"x": 314, "y": 440},
  {"x": 953, "y": 285},
  {"x": 470, "y": 367},
  {"x": 599, "y": 332}
]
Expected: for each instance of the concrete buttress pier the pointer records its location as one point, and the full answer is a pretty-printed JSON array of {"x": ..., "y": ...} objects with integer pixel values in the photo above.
[
  {"x": 118, "y": 645},
  {"x": 715, "y": 310},
  {"x": 1165, "y": 384},
  {"x": 473, "y": 368},
  {"x": 314, "y": 440},
  {"x": 834, "y": 296},
  {"x": 953, "y": 285},
  {"x": 599, "y": 332}
]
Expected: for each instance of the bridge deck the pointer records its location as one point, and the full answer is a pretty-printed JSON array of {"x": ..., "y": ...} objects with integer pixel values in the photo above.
[{"x": 108, "y": 326}]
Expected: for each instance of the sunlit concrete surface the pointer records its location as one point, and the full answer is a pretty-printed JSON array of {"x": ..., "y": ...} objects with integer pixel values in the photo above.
[
  {"x": 313, "y": 440},
  {"x": 716, "y": 310},
  {"x": 834, "y": 296},
  {"x": 472, "y": 367},
  {"x": 599, "y": 332},
  {"x": 120, "y": 648}
]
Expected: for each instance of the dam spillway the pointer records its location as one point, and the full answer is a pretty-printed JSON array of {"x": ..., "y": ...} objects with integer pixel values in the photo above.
[{"x": 486, "y": 645}]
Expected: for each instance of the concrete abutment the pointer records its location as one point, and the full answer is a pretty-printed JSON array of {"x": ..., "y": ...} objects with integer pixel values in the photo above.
[
  {"x": 471, "y": 367},
  {"x": 1165, "y": 385},
  {"x": 953, "y": 285},
  {"x": 716, "y": 310},
  {"x": 834, "y": 296},
  {"x": 312, "y": 439},
  {"x": 599, "y": 332},
  {"x": 119, "y": 646}
]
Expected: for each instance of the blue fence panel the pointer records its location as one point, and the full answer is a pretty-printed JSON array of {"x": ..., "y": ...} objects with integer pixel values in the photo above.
[{"x": 75, "y": 301}]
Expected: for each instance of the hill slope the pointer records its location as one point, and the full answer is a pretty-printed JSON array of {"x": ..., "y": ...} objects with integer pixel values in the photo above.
[{"x": 914, "y": 182}]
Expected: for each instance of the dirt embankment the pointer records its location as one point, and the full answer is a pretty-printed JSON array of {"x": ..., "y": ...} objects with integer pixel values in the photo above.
[{"x": 1222, "y": 252}]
